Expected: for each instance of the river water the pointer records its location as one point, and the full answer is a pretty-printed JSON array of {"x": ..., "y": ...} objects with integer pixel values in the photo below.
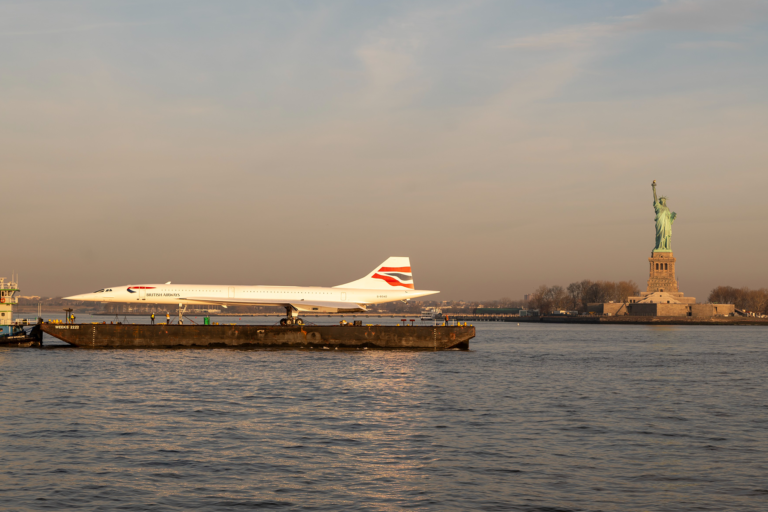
[{"x": 532, "y": 418}]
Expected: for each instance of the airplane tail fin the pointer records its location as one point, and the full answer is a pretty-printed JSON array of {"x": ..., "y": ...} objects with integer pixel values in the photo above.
[{"x": 393, "y": 273}]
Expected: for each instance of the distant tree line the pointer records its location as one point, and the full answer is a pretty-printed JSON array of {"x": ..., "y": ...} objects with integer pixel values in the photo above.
[
  {"x": 45, "y": 301},
  {"x": 504, "y": 302},
  {"x": 577, "y": 295},
  {"x": 743, "y": 298}
]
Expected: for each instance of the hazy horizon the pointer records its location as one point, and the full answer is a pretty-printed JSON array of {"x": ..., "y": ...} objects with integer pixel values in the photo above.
[{"x": 499, "y": 145}]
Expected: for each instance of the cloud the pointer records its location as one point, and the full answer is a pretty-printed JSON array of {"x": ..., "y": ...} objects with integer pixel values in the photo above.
[
  {"x": 582, "y": 35},
  {"x": 394, "y": 51},
  {"x": 79, "y": 28},
  {"x": 681, "y": 15},
  {"x": 700, "y": 15},
  {"x": 392, "y": 73},
  {"x": 706, "y": 45}
]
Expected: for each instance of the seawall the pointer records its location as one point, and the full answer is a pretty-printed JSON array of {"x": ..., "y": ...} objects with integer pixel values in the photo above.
[{"x": 646, "y": 320}]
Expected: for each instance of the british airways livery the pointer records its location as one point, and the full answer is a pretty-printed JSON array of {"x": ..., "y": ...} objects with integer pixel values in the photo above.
[{"x": 389, "y": 282}]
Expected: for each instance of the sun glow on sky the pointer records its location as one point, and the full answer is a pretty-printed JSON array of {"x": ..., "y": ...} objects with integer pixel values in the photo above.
[{"x": 499, "y": 144}]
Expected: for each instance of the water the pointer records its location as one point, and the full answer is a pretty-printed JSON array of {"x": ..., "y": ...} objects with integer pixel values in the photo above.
[{"x": 533, "y": 418}]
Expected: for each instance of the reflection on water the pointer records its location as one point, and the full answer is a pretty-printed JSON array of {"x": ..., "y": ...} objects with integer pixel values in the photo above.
[{"x": 532, "y": 418}]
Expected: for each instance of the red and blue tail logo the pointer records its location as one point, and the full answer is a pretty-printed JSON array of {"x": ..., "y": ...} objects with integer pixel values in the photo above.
[{"x": 395, "y": 276}]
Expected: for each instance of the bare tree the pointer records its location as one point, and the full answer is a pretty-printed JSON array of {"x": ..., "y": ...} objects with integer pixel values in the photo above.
[
  {"x": 540, "y": 299},
  {"x": 760, "y": 301},
  {"x": 725, "y": 295},
  {"x": 557, "y": 298},
  {"x": 577, "y": 293},
  {"x": 626, "y": 289},
  {"x": 597, "y": 293},
  {"x": 742, "y": 298}
]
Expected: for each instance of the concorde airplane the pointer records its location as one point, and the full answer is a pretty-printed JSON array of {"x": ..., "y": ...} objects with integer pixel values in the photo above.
[{"x": 389, "y": 282}]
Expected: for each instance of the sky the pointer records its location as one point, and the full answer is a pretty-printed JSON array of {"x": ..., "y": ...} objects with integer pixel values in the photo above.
[{"x": 500, "y": 145}]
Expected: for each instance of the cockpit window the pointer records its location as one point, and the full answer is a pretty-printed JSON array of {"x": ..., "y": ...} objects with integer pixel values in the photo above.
[{"x": 99, "y": 291}]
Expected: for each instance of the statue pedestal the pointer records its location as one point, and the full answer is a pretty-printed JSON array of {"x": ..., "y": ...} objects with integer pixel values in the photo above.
[
  {"x": 662, "y": 289},
  {"x": 662, "y": 277}
]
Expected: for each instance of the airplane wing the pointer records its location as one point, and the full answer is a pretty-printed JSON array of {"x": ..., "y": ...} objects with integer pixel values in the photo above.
[{"x": 301, "y": 305}]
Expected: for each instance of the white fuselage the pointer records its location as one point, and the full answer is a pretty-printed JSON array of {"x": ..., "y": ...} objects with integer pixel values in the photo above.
[{"x": 196, "y": 294}]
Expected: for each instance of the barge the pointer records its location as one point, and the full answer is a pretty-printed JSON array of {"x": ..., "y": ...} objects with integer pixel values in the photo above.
[{"x": 262, "y": 336}]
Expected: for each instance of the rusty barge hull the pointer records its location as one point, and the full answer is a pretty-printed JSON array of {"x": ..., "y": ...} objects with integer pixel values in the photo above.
[{"x": 262, "y": 336}]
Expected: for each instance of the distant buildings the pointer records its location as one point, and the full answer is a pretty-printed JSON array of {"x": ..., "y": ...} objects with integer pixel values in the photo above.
[{"x": 495, "y": 311}]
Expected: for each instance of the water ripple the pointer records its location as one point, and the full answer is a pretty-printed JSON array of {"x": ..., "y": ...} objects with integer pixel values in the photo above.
[{"x": 534, "y": 418}]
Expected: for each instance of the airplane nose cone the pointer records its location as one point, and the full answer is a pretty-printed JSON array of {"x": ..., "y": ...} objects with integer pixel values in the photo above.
[{"x": 77, "y": 297}]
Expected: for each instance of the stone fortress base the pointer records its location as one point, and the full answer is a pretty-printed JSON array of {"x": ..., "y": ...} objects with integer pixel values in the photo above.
[{"x": 663, "y": 297}]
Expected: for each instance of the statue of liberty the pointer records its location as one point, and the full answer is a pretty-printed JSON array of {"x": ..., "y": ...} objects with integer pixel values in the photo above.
[{"x": 664, "y": 220}]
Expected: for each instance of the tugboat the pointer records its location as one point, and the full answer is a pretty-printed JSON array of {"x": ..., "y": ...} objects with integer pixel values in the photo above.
[
  {"x": 15, "y": 333},
  {"x": 431, "y": 314}
]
